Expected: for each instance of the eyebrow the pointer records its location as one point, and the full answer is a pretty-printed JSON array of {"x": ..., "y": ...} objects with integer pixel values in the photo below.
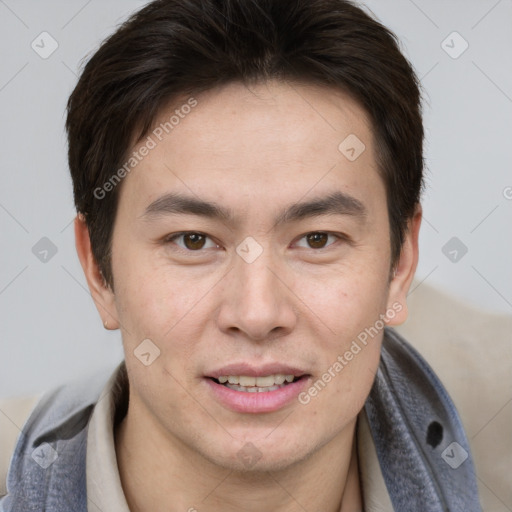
[{"x": 336, "y": 203}]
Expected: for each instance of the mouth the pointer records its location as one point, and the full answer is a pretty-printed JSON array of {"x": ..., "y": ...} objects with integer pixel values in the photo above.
[
  {"x": 256, "y": 391},
  {"x": 250, "y": 384}
]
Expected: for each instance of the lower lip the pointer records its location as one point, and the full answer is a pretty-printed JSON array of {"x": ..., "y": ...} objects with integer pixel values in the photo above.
[{"x": 264, "y": 401}]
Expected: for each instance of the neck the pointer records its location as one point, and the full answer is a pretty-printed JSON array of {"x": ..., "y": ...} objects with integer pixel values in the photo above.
[{"x": 162, "y": 474}]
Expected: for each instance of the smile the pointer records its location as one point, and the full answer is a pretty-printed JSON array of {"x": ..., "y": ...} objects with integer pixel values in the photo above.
[
  {"x": 256, "y": 394},
  {"x": 249, "y": 384}
]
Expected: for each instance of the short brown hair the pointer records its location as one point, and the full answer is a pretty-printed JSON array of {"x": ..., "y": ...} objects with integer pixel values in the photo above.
[{"x": 172, "y": 48}]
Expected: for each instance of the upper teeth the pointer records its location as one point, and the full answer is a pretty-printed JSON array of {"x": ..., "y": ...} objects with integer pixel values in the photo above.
[{"x": 244, "y": 380}]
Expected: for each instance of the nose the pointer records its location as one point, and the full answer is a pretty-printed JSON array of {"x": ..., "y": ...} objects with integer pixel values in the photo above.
[{"x": 257, "y": 302}]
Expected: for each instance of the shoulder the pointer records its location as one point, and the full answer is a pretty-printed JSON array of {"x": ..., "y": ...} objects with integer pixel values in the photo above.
[
  {"x": 61, "y": 413},
  {"x": 471, "y": 353},
  {"x": 14, "y": 413}
]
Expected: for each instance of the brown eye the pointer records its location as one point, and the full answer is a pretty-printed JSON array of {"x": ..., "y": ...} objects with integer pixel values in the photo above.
[
  {"x": 317, "y": 240},
  {"x": 191, "y": 241},
  {"x": 194, "y": 241}
]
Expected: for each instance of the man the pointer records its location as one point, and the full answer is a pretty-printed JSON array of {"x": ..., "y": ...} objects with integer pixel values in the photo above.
[{"x": 247, "y": 177}]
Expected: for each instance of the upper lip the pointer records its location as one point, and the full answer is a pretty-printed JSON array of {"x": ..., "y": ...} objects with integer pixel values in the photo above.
[{"x": 250, "y": 370}]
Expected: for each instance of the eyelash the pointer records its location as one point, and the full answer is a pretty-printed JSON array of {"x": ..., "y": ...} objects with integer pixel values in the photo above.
[{"x": 170, "y": 239}]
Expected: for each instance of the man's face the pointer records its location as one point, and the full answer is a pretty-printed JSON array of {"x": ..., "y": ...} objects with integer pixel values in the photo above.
[{"x": 255, "y": 292}]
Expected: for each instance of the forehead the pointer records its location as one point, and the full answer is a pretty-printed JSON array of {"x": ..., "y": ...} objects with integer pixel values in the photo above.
[{"x": 261, "y": 142}]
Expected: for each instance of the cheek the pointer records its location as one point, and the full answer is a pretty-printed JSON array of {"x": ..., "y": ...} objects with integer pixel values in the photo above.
[
  {"x": 152, "y": 297},
  {"x": 345, "y": 299},
  {"x": 350, "y": 306},
  {"x": 338, "y": 392},
  {"x": 170, "y": 310}
]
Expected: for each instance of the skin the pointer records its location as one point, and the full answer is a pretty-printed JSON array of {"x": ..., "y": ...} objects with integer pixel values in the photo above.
[{"x": 255, "y": 151}]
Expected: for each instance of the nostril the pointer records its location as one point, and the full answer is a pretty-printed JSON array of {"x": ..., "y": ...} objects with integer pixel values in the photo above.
[{"x": 434, "y": 434}]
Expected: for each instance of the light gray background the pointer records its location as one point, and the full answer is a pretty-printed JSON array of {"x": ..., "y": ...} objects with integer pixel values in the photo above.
[{"x": 50, "y": 330}]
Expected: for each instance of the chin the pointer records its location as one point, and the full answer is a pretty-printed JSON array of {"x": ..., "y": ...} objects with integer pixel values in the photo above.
[
  {"x": 261, "y": 454},
  {"x": 260, "y": 464}
]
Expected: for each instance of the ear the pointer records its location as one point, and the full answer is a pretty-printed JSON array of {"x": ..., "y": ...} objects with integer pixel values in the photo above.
[
  {"x": 405, "y": 270},
  {"x": 101, "y": 293}
]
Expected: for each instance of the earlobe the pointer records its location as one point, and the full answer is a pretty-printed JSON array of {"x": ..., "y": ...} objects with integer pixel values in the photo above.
[
  {"x": 101, "y": 293},
  {"x": 404, "y": 271}
]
